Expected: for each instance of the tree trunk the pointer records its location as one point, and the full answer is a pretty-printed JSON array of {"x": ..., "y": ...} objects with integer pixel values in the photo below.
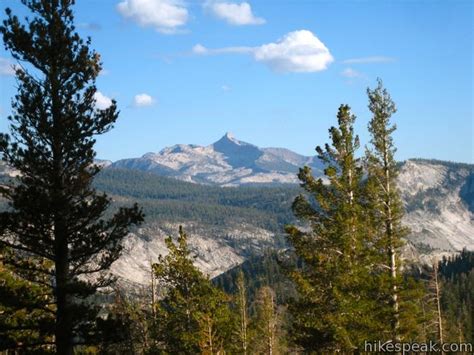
[
  {"x": 271, "y": 326},
  {"x": 392, "y": 252},
  {"x": 438, "y": 304},
  {"x": 64, "y": 321},
  {"x": 63, "y": 331},
  {"x": 153, "y": 293},
  {"x": 243, "y": 314},
  {"x": 209, "y": 330}
]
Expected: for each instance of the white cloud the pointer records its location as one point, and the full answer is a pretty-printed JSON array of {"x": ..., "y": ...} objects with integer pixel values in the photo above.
[
  {"x": 101, "y": 101},
  {"x": 143, "y": 100},
  {"x": 7, "y": 68},
  {"x": 199, "y": 49},
  {"x": 226, "y": 88},
  {"x": 234, "y": 14},
  {"x": 369, "y": 60},
  {"x": 91, "y": 26},
  {"x": 351, "y": 73},
  {"x": 164, "y": 15},
  {"x": 298, "y": 51}
]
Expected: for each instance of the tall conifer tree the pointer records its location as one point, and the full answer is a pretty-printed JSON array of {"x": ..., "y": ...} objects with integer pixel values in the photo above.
[
  {"x": 193, "y": 316},
  {"x": 384, "y": 197},
  {"x": 334, "y": 309},
  {"x": 55, "y": 215},
  {"x": 265, "y": 323},
  {"x": 241, "y": 303}
]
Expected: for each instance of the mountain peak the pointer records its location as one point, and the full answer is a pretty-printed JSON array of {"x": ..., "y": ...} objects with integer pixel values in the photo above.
[
  {"x": 229, "y": 139},
  {"x": 229, "y": 135},
  {"x": 227, "y": 162}
]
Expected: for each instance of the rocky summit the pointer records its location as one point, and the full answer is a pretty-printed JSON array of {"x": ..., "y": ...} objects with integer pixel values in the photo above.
[{"x": 227, "y": 162}]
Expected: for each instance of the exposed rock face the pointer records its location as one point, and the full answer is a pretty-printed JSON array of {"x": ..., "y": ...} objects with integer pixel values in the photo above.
[
  {"x": 227, "y": 162},
  {"x": 216, "y": 251},
  {"x": 439, "y": 206}
]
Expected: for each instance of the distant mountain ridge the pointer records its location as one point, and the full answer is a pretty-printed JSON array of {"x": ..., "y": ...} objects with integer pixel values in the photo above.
[
  {"x": 232, "y": 214},
  {"x": 438, "y": 196},
  {"x": 227, "y": 162},
  {"x": 227, "y": 225}
]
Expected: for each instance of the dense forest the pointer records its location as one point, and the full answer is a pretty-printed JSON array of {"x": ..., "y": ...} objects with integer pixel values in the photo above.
[
  {"x": 339, "y": 282},
  {"x": 165, "y": 199},
  {"x": 456, "y": 278},
  {"x": 457, "y": 296}
]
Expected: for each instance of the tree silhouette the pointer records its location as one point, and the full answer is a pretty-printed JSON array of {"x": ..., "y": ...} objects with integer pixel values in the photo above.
[{"x": 55, "y": 223}]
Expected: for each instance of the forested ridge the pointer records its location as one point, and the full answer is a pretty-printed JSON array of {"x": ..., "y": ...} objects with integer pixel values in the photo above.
[
  {"x": 165, "y": 199},
  {"x": 457, "y": 300}
]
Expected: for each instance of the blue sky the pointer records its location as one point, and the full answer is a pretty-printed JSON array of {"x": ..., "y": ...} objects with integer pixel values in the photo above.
[{"x": 274, "y": 72}]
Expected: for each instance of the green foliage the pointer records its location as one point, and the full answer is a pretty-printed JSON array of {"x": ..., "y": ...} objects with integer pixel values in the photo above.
[
  {"x": 269, "y": 269},
  {"x": 241, "y": 303},
  {"x": 54, "y": 224},
  {"x": 412, "y": 293},
  {"x": 385, "y": 212},
  {"x": 265, "y": 326},
  {"x": 457, "y": 298},
  {"x": 193, "y": 316},
  {"x": 127, "y": 327},
  {"x": 164, "y": 199},
  {"x": 350, "y": 286},
  {"x": 26, "y": 311},
  {"x": 336, "y": 308}
]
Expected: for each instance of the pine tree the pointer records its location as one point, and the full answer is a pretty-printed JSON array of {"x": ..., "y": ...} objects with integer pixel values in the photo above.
[
  {"x": 26, "y": 312},
  {"x": 436, "y": 287},
  {"x": 384, "y": 201},
  {"x": 265, "y": 323},
  {"x": 242, "y": 309},
  {"x": 412, "y": 293},
  {"x": 193, "y": 316},
  {"x": 55, "y": 216},
  {"x": 457, "y": 297},
  {"x": 128, "y": 324},
  {"x": 335, "y": 310},
  {"x": 431, "y": 303}
]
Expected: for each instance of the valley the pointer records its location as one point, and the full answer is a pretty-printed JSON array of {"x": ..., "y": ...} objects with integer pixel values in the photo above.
[{"x": 231, "y": 217}]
